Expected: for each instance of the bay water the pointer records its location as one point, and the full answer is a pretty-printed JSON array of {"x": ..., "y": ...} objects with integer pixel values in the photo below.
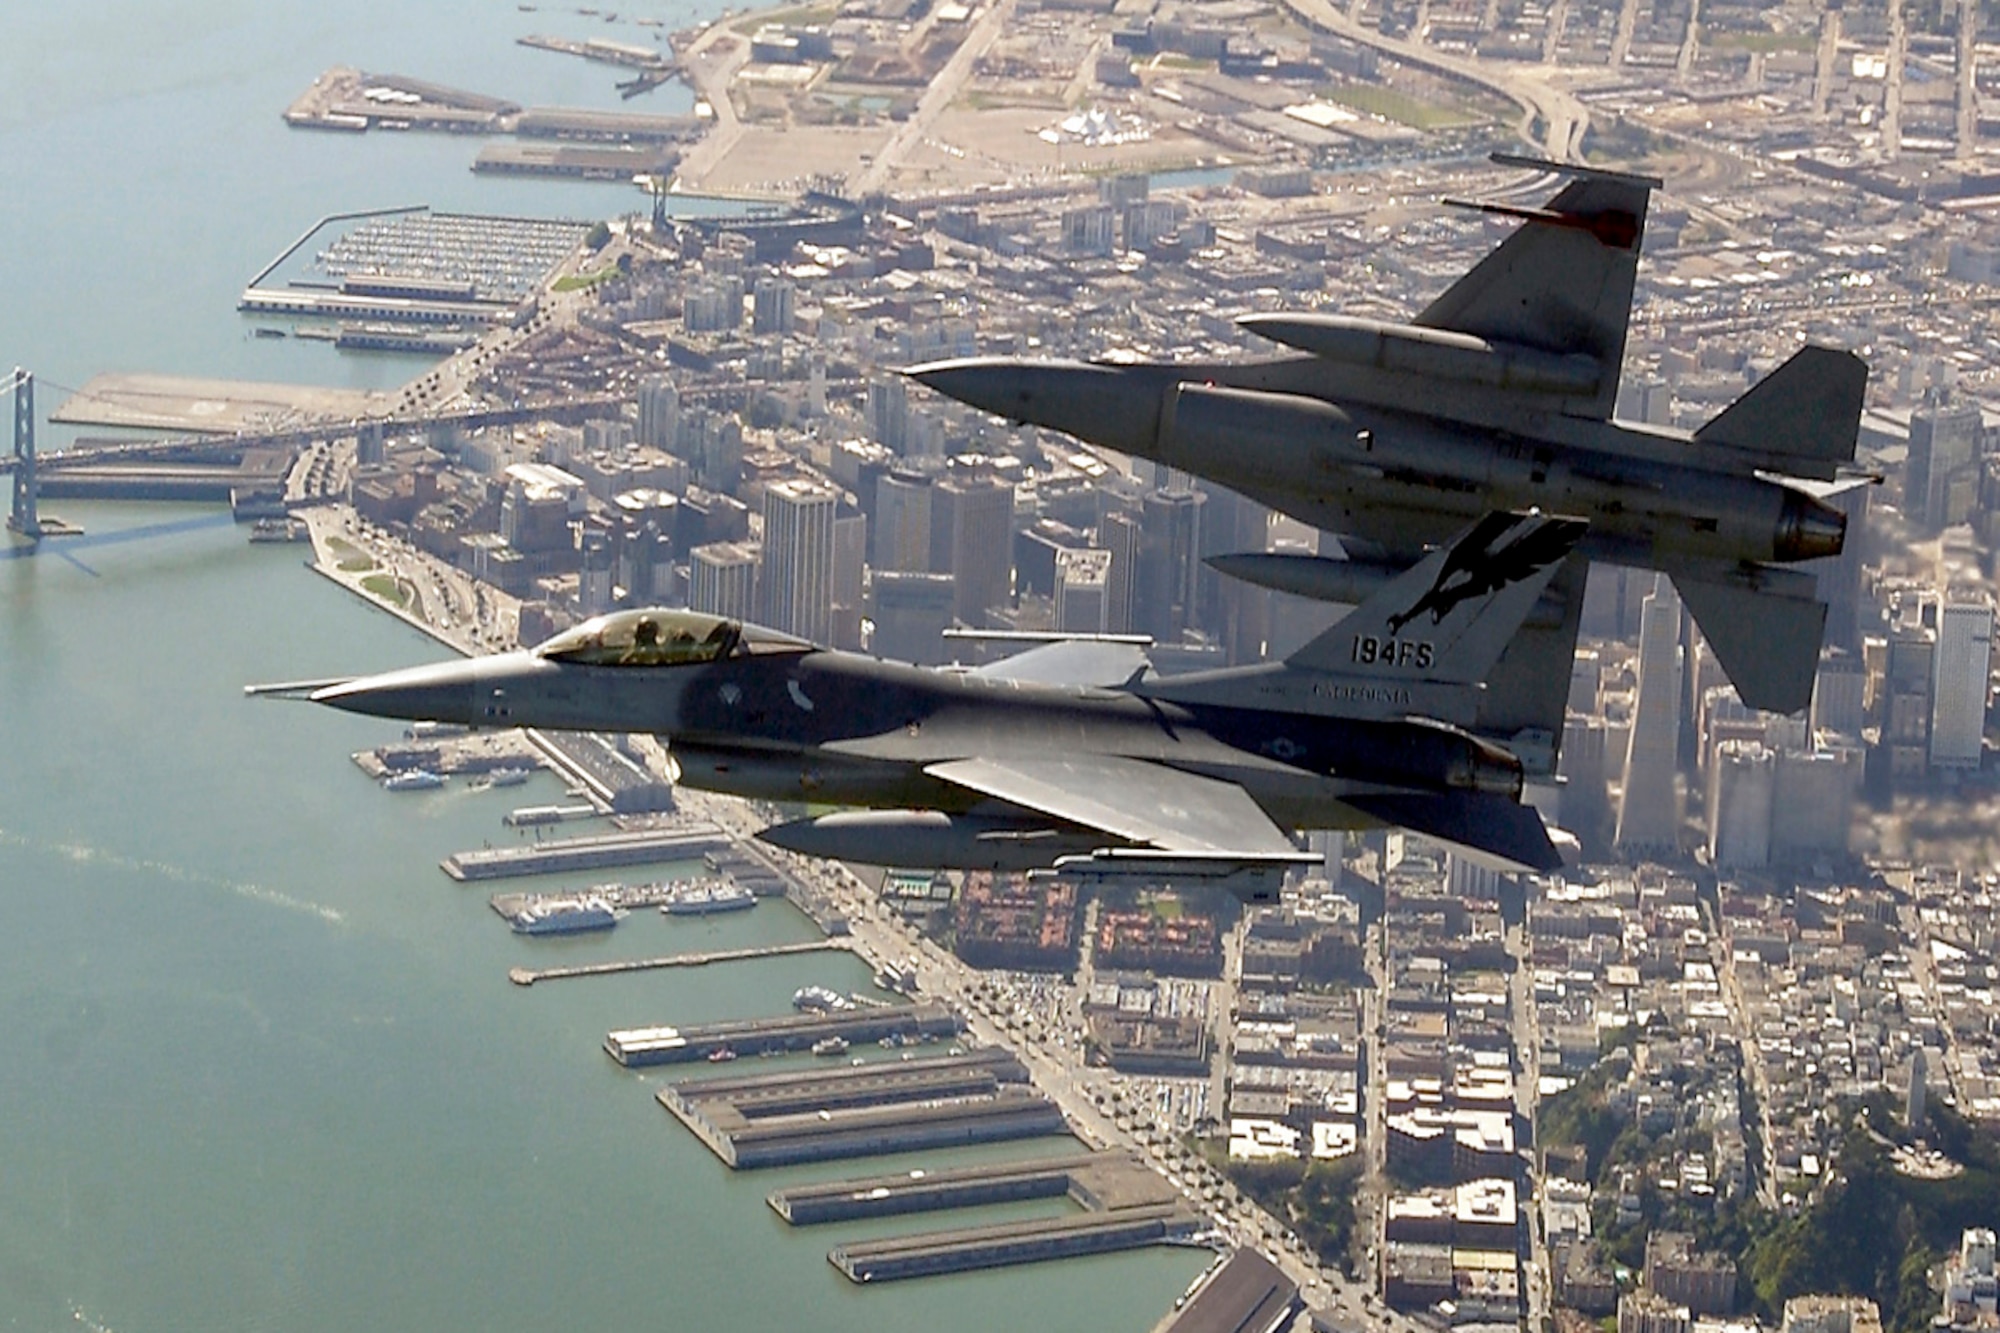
[{"x": 260, "y": 1063}]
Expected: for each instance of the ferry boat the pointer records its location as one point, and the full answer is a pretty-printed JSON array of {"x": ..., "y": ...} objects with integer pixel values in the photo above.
[
  {"x": 708, "y": 898},
  {"x": 835, "y": 1045},
  {"x": 566, "y": 917},
  {"x": 415, "y": 779},
  {"x": 819, "y": 999}
]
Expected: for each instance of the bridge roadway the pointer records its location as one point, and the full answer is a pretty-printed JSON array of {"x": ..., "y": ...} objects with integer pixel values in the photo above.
[{"x": 193, "y": 446}]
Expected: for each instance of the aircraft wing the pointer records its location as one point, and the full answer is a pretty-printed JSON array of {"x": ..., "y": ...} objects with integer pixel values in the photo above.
[
  {"x": 1131, "y": 799},
  {"x": 1097, "y": 662}
]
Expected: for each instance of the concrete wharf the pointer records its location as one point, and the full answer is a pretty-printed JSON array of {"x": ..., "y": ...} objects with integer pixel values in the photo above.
[
  {"x": 588, "y": 853},
  {"x": 865, "y": 1111},
  {"x": 662, "y": 1045},
  {"x": 1246, "y": 1294},
  {"x": 528, "y": 976},
  {"x": 1011, "y": 1243},
  {"x": 1098, "y": 1182}
]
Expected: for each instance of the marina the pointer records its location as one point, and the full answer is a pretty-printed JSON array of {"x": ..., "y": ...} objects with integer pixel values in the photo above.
[
  {"x": 661, "y": 1045},
  {"x": 765, "y": 1120}
]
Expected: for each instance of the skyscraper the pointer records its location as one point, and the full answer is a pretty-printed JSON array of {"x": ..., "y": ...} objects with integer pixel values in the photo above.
[
  {"x": 1649, "y": 816},
  {"x": 722, "y": 580},
  {"x": 772, "y": 306},
  {"x": 889, "y": 411},
  {"x": 1166, "y": 582},
  {"x": 1941, "y": 479},
  {"x": 903, "y": 522},
  {"x": 1958, "y": 691},
  {"x": 1742, "y": 785},
  {"x": 972, "y": 527},
  {"x": 1082, "y": 578},
  {"x": 1118, "y": 533},
  {"x": 911, "y": 614},
  {"x": 796, "y": 581}
]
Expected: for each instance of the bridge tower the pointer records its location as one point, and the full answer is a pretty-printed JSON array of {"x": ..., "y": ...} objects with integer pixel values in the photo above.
[{"x": 25, "y": 519}]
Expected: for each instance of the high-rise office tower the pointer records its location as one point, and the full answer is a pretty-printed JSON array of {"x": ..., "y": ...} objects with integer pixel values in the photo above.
[
  {"x": 1941, "y": 479},
  {"x": 1082, "y": 578},
  {"x": 771, "y": 309},
  {"x": 1649, "y": 815},
  {"x": 1118, "y": 533},
  {"x": 1742, "y": 785},
  {"x": 722, "y": 580},
  {"x": 1167, "y": 579},
  {"x": 972, "y": 529},
  {"x": 1958, "y": 691},
  {"x": 911, "y": 613},
  {"x": 850, "y": 559},
  {"x": 889, "y": 412},
  {"x": 659, "y": 413},
  {"x": 903, "y": 522},
  {"x": 796, "y": 581}
]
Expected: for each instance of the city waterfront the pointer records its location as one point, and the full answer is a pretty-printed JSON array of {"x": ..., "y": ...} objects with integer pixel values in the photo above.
[{"x": 265, "y": 1063}]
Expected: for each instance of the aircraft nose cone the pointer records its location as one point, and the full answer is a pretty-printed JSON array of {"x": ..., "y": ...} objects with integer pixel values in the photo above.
[
  {"x": 1809, "y": 529},
  {"x": 1108, "y": 405},
  {"x": 441, "y": 692}
]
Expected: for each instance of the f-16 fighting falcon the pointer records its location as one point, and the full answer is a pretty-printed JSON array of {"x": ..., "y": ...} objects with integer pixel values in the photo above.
[
  {"x": 1497, "y": 396},
  {"x": 1073, "y": 755}
]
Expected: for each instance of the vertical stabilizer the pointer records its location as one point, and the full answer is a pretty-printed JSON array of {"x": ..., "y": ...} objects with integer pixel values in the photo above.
[
  {"x": 1563, "y": 282},
  {"x": 1450, "y": 616}
]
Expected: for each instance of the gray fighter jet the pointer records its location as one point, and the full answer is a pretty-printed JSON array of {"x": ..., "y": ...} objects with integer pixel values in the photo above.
[
  {"x": 1072, "y": 755},
  {"x": 1498, "y": 395}
]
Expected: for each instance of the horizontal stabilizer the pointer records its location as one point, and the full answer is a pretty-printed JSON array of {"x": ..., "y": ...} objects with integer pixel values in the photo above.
[
  {"x": 1766, "y": 638},
  {"x": 1491, "y": 830},
  {"x": 1804, "y": 417}
]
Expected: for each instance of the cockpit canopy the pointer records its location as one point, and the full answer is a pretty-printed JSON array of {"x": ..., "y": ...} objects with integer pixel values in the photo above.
[
  {"x": 651, "y": 637},
  {"x": 658, "y": 636}
]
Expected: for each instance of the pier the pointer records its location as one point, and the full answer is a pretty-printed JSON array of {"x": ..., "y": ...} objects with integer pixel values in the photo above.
[
  {"x": 1008, "y": 1243},
  {"x": 665, "y": 1045},
  {"x": 1097, "y": 1182},
  {"x": 863, "y": 1110},
  {"x": 596, "y": 852},
  {"x": 528, "y": 976}
]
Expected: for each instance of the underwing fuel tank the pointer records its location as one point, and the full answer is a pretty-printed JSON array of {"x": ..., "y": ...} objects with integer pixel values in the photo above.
[{"x": 931, "y": 838}]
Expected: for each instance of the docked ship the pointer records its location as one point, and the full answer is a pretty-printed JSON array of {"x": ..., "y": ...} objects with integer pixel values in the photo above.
[
  {"x": 507, "y": 777},
  {"x": 566, "y": 917},
  {"x": 279, "y": 529},
  {"x": 702, "y": 900},
  {"x": 835, "y": 1045},
  {"x": 415, "y": 779},
  {"x": 819, "y": 999}
]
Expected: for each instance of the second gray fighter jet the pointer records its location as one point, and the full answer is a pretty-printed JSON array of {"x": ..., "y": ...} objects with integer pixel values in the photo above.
[{"x": 1498, "y": 395}]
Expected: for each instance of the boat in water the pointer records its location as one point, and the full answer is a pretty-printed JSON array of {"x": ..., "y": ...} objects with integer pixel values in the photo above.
[
  {"x": 819, "y": 1000},
  {"x": 706, "y": 898},
  {"x": 835, "y": 1045},
  {"x": 414, "y": 779},
  {"x": 507, "y": 777},
  {"x": 721, "y": 1055},
  {"x": 566, "y": 916}
]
